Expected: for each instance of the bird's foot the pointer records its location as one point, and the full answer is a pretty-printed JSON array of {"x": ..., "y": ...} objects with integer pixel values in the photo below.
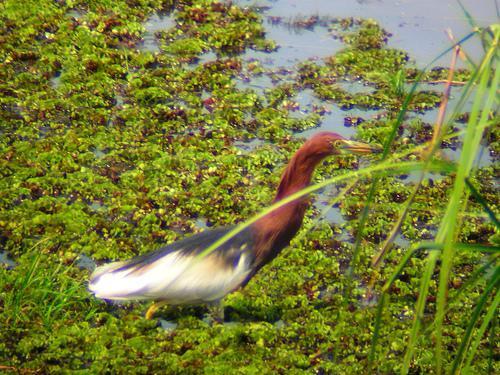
[
  {"x": 215, "y": 313},
  {"x": 153, "y": 308}
]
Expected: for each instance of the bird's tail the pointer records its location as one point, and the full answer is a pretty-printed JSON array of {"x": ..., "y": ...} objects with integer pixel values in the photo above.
[{"x": 113, "y": 281}]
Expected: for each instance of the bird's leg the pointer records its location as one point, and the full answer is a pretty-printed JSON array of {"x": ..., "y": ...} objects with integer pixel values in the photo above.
[
  {"x": 153, "y": 308},
  {"x": 216, "y": 311}
]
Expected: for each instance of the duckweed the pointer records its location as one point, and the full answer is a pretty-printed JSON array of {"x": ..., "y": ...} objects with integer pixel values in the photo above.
[{"x": 129, "y": 149}]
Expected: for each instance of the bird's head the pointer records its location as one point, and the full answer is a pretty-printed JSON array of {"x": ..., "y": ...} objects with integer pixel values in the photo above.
[{"x": 329, "y": 143}]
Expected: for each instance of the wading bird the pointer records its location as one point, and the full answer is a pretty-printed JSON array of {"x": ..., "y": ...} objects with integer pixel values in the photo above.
[{"x": 175, "y": 275}]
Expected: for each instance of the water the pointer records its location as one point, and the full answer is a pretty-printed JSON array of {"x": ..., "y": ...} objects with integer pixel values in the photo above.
[
  {"x": 483, "y": 158},
  {"x": 328, "y": 213},
  {"x": 201, "y": 223},
  {"x": 98, "y": 153},
  {"x": 355, "y": 87},
  {"x": 413, "y": 27},
  {"x": 155, "y": 23},
  {"x": 119, "y": 100},
  {"x": 453, "y": 153},
  {"x": 279, "y": 324},
  {"x": 168, "y": 325},
  {"x": 296, "y": 44},
  {"x": 55, "y": 81},
  {"x": 97, "y": 206},
  {"x": 85, "y": 262},
  {"x": 340, "y": 121},
  {"x": 5, "y": 261},
  {"x": 257, "y": 83},
  {"x": 417, "y": 26},
  {"x": 248, "y": 146},
  {"x": 76, "y": 14}
]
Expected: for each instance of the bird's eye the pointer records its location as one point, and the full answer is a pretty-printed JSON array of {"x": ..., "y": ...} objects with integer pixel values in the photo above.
[{"x": 337, "y": 143}]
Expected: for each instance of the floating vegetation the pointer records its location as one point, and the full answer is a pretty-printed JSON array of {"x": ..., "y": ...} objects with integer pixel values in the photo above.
[{"x": 110, "y": 147}]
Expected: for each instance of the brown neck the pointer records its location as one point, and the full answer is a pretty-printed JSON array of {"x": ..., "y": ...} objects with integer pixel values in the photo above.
[
  {"x": 297, "y": 174},
  {"x": 275, "y": 230}
]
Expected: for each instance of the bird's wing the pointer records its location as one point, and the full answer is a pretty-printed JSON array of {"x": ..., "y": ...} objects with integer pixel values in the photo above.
[{"x": 175, "y": 274}]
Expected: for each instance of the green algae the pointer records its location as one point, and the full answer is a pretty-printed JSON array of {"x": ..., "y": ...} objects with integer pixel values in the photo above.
[{"x": 131, "y": 148}]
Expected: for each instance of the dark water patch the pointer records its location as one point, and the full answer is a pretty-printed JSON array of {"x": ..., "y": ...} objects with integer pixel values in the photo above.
[
  {"x": 99, "y": 153},
  {"x": 250, "y": 145},
  {"x": 11, "y": 111},
  {"x": 483, "y": 158},
  {"x": 329, "y": 213},
  {"x": 55, "y": 81},
  {"x": 303, "y": 104},
  {"x": 355, "y": 87},
  {"x": 456, "y": 92},
  {"x": 366, "y": 298},
  {"x": 340, "y": 121},
  {"x": 308, "y": 103},
  {"x": 299, "y": 37},
  {"x": 265, "y": 58},
  {"x": 85, "y": 262},
  {"x": 201, "y": 223},
  {"x": 264, "y": 79},
  {"x": 119, "y": 100},
  {"x": 402, "y": 242},
  {"x": 332, "y": 214},
  {"x": 5, "y": 261},
  {"x": 168, "y": 325},
  {"x": 332, "y": 121},
  {"x": 44, "y": 131},
  {"x": 97, "y": 206},
  {"x": 204, "y": 58},
  {"x": 154, "y": 24},
  {"x": 414, "y": 177},
  {"x": 77, "y": 14}
]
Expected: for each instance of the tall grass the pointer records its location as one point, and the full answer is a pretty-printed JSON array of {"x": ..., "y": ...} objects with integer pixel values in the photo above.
[
  {"x": 484, "y": 79},
  {"x": 444, "y": 249},
  {"x": 44, "y": 296}
]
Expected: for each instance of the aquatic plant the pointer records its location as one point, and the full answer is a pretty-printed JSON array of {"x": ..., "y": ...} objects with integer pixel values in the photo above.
[{"x": 108, "y": 150}]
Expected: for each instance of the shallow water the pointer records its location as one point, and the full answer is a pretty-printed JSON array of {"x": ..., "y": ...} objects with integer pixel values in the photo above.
[
  {"x": 168, "y": 325},
  {"x": 85, "y": 262},
  {"x": 417, "y": 26},
  {"x": 248, "y": 146},
  {"x": 154, "y": 24},
  {"x": 296, "y": 44},
  {"x": 6, "y": 261},
  {"x": 413, "y": 27}
]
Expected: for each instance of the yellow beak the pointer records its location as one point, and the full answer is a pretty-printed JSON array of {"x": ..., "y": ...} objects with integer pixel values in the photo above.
[{"x": 359, "y": 148}]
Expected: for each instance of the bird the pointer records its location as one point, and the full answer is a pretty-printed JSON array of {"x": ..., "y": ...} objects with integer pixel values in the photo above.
[{"x": 175, "y": 274}]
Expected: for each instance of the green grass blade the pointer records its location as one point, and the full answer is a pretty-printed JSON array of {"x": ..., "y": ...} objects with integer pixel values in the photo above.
[
  {"x": 473, "y": 279},
  {"x": 408, "y": 255},
  {"x": 471, "y": 282},
  {"x": 449, "y": 227},
  {"x": 415, "y": 249},
  {"x": 387, "y": 145},
  {"x": 475, "y": 316},
  {"x": 419, "y": 309},
  {"x": 468, "y": 16},
  {"x": 492, "y": 310},
  {"x": 376, "y": 330},
  {"x": 385, "y": 168},
  {"x": 482, "y": 202},
  {"x": 359, "y": 236},
  {"x": 493, "y": 343}
]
